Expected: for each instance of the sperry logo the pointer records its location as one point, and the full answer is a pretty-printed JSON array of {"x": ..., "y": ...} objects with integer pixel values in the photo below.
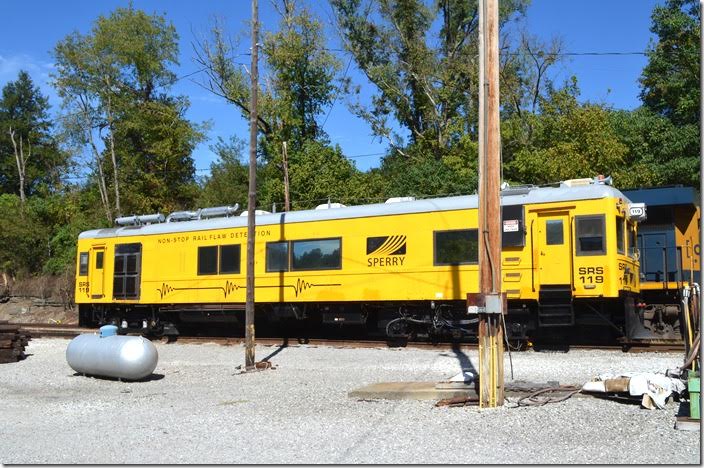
[{"x": 386, "y": 251}]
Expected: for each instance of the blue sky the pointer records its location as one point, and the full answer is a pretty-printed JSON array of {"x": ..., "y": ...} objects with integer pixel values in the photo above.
[{"x": 32, "y": 28}]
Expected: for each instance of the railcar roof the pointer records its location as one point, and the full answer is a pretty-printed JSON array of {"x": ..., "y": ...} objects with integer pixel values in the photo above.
[
  {"x": 664, "y": 196},
  {"x": 520, "y": 196}
]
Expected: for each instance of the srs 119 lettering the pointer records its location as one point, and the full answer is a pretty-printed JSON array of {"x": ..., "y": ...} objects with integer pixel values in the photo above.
[{"x": 591, "y": 275}]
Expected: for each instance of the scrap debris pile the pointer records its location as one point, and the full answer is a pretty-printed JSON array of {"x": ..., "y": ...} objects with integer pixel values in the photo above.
[
  {"x": 12, "y": 342},
  {"x": 654, "y": 389}
]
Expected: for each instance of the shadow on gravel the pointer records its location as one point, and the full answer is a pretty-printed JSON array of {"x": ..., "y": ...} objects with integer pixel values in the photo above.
[
  {"x": 551, "y": 348},
  {"x": 277, "y": 350},
  {"x": 149, "y": 378},
  {"x": 465, "y": 363},
  {"x": 624, "y": 400}
]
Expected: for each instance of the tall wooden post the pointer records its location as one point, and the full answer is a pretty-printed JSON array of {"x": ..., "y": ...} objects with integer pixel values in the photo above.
[
  {"x": 701, "y": 144},
  {"x": 491, "y": 371},
  {"x": 287, "y": 196},
  {"x": 252, "y": 199}
]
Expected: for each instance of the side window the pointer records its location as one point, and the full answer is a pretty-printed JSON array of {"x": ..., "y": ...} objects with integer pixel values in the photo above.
[
  {"x": 620, "y": 236},
  {"x": 554, "y": 232},
  {"x": 128, "y": 261},
  {"x": 632, "y": 240},
  {"x": 83, "y": 264},
  {"x": 590, "y": 235},
  {"x": 208, "y": 260},
  {"x": 99, "y": 260},
  {"x": 277, "y": 256},
  {"x": 458, "y": 247},
  {"x": 318, "y": 254},
  {"x": 230, "y": 258}
]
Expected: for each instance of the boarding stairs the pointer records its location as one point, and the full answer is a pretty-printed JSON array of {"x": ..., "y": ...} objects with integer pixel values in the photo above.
[{"x": 555, "y": 308}]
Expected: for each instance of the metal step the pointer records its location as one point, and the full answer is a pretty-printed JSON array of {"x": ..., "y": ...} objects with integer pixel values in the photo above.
[
  {"x": 555, "y": 306},
  {"x": 556, "y": 315}
]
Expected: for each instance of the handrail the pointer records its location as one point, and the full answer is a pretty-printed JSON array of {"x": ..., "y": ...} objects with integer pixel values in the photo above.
[
  {"x": 690, "y": 257},
  {"x": 678, "y": 251},
  {"x": 571, "y": 253},
  {"x": 532, "y": 257},
  {"x": 664, "y": 267}
]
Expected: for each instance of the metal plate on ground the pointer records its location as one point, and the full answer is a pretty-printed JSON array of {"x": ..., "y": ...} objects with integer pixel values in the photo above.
[
  {"x": 408, "y": 391},
  {"x": 455, "y": 386},
  {"x": 685, "y": 423}
]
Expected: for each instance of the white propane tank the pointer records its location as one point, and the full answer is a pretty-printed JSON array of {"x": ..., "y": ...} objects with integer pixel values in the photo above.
[{"x": 122, "y": 357}]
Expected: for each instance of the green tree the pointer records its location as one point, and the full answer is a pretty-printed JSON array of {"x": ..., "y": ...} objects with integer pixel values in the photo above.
[
  {"x": 300, "y": 76},
  {"x": 228, "y": 182},
  {"x": 664, "y": 136},
  {"x": 423, "y": 62},
  {"x": 422, "y": 58},
  {"x": 416, "y": 174},
  {"x": 570, "y": 140},
  {"x": 301, "y": 84},
  {"x": 115, "y": 82},
  {"x": 65, "y": 216},
  {"x": 43, "y": 231},
  {"x": 670, "y": 80},
  {"x": 658, "y": 150},
  {"x": 30, "y": 158},
  {"x": 24, "y": 234},
  {"x": 318, "y": 172}
]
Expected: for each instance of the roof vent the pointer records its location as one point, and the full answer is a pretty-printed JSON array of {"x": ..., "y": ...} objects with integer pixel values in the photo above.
[
  {"x": 576, "y": 182},
  {"x": 256, "y": 212},
  {"x": 326, "y": 206},
  {"x": 217, "y": 211},
  {"x": 399, "y": 199},
  {"x": 516, "y": 189},
  {"x": 139, "y": 220},
  {"x": 182, "y": 216},
  {"x": 598, "y": 180}
]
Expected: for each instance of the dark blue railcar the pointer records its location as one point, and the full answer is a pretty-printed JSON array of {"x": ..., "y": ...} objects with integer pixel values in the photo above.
[{"x": 669, "y": 256}]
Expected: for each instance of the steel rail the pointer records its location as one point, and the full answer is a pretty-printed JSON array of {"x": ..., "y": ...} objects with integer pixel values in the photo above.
[{"x": 46, "y": 330}]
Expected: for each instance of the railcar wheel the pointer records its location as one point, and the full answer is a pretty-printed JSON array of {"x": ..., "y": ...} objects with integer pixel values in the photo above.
[
  {"x": 517, "y": 345},
  {"x": 398, "y": 328}
]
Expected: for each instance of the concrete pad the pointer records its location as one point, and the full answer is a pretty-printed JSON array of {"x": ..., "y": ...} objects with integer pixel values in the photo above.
[
  {"x": 439, "y": 390},
  {"x": 409, "y": 391},
  {"x": 450, "y": 385},
  {"x": 684, "y": 423}
]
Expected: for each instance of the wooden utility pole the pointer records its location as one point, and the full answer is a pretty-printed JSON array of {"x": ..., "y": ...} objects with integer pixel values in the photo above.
[
  {"x": 491, "y": 303},
  {"x": 701, "y": 142},
  {"x": 252, "y": 199},
  {"x": 287, "y": 197}
]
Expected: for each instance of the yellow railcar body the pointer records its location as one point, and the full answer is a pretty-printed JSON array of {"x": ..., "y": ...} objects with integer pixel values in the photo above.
[
  {"x": 168, "y": 261},
  {"x": 687, "y": 237}
]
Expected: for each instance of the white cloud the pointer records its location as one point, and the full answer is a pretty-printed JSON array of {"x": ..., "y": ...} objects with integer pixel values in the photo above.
[
  {"x": 10, "y": 66},
  {"x": 207, "y": 98}
]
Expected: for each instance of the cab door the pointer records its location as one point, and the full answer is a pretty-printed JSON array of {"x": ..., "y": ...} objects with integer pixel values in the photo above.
[
  {"x": 555, "y": 252},
  {"x": 96, "y": 272}
]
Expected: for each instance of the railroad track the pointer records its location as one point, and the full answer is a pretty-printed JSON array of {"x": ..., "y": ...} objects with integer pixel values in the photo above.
[
  {"x": 37, "y": 330},
  {"x": 40, "y": 330}
]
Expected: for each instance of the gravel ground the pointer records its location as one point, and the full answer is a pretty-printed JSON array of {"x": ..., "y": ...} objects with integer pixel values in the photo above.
[{"x": 199, "y": 410}]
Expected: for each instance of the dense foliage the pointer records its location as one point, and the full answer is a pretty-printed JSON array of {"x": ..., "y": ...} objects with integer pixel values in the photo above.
[{"x": 121, "y": 144}]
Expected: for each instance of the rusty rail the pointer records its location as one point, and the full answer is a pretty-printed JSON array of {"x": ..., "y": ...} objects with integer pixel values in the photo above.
[{"x": 38, "y": 330}]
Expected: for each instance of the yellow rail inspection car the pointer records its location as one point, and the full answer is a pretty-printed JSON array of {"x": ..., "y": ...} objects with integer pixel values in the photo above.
[{"x": 404, "y": 267}]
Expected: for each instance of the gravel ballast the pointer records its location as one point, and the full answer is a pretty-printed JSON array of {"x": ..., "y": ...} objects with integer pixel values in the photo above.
[{"x": 198, "y": 409}]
